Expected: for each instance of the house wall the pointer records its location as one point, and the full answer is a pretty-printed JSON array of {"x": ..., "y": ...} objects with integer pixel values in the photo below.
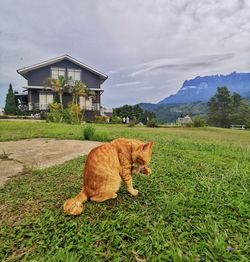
[
  {"x": 90, "y": 115},
  {"x": 37, "y": 77},
  {"x": 34, "y": 95},
  {"x": 67, "y": 98},
  {"x": 96, "y": 98}
]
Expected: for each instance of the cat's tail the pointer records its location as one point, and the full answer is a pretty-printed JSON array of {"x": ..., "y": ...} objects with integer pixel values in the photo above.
[{"x": 74, "y": 206}]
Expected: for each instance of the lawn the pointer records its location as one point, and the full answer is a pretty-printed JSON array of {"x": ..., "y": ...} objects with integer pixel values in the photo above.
[{"x": 194, "y": 207}]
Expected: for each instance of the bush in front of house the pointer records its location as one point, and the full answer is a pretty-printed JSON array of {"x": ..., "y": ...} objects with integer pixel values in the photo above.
[
  {"x": 76, "y": 113},
  {"x": 71, "y": 115},
  {"x": 55, "y": 113},
  {"x": 55, "y": 117},
  {"x": 88, "y": 132},
  {"x": 55, "y": 107},
  {"x": 67, "y": 117}
]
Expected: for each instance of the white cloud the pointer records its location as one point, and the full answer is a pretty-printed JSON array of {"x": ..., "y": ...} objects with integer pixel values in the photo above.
[
  {"x": 128, "y": 84},
  {"x": 154, "y": 43}
]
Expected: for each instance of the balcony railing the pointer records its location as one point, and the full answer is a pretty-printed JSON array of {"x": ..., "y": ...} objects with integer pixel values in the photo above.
[
  {"x": 43, "y": 107},
  {"x": 93, "y": 107}
]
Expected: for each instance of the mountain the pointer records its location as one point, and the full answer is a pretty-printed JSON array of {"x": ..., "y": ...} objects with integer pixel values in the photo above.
[
  {"x": 194, "y": 94},
  {"x": 167, "y": 113},
  {"x": 203, "y": 88}
]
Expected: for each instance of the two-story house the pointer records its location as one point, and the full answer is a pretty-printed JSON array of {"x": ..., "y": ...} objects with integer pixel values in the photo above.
[{"x": 38, "y": 96}]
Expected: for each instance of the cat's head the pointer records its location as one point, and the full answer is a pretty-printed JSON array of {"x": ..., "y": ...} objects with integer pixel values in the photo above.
[{"x": 142, "y": 154}]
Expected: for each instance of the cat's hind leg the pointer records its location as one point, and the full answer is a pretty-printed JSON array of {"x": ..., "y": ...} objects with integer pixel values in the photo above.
[{"x": 104, "y": 197}]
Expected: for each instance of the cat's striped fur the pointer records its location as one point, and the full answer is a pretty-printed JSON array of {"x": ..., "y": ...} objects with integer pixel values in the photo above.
[{"x": 106, "y": 166}]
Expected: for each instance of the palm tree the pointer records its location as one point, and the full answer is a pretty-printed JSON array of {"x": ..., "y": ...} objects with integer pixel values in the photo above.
[
  {"x": 58, "y": 86},
  {"x": 79, "y": 89}
]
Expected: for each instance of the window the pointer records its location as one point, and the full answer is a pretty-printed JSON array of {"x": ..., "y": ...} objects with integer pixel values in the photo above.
[
  {"x": 74, "y": 74},
  {"x": 56, "y": 72},
  {"x": 44, "y": 100}
]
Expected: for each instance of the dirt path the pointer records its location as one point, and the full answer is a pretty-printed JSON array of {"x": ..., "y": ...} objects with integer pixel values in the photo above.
[{"x": 38, "y": 153}]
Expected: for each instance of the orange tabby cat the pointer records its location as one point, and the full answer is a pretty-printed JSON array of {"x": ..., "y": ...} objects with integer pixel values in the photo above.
[{"x": 106, "y": 166}]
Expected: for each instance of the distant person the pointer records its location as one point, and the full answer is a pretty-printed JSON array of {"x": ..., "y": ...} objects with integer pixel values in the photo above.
[
  {"x": 124, "y": 120},
  {"x": 127, "y": 120}
]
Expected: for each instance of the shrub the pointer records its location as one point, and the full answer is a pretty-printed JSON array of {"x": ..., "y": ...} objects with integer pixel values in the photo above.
[
  {"x": 152, "y": 123},
  {"x": 76, "y": 113},
  {"x": 131, "y": 123},
  {"x": 72, "y": 115},
  {"x": 67, "y": 117},
  {"x": 43, "y": 115},
  {"x": 55, "y": 107},
  {"x": 54, "y": 117},
  {"x": 101, "y": 119},
  {"x": 115, "y": 120},
  {"x": 188, "y": 125},
  {"x": 88, "y": 132},
  {"x": 199, "y": 121}
]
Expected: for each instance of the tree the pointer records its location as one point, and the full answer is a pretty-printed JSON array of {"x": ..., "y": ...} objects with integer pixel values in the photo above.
[
  {"x": 79, "y": 89},
  {"x": 134, "y": 112},
  {"x": 58, "y": 86},
  {"x": 226, "y": 109},
  {"x": 220, "y": 107},
  {"x": 10, "y": 103},
  {"x": 236, "y": 99},
  {"x": 241, "y": 115}
]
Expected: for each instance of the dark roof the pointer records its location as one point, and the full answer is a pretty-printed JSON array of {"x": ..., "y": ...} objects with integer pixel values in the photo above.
[{"x": 26, "y": 69}]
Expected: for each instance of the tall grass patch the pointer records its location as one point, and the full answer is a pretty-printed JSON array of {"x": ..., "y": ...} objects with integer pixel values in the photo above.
[{"x": 88, "y": 132}]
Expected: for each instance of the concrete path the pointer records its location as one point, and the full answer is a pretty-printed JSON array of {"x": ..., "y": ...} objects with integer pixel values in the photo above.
[{"x": 38, "y": 153}]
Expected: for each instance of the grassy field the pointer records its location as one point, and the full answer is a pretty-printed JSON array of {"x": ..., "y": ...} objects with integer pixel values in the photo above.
[{"x": 194, "y": 207}]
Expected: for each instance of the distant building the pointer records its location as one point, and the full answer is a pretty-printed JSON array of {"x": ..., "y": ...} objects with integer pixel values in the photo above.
[{"x": 184, "y": 120}]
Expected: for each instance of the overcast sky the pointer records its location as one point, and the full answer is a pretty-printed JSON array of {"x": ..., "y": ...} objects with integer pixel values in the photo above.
[{"x": 146, "y": 47}]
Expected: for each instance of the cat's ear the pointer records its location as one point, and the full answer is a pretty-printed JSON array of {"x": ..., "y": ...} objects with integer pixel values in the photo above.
[{"x": 147, "y": 146}]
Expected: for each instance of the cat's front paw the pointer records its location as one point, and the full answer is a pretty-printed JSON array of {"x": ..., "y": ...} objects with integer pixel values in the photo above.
[
  {"x": 134, "y": 192},
  {"x": 147, "y": 171}
]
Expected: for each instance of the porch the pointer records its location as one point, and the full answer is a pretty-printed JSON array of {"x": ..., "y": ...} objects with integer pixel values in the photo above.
[
  {"x": 45, "y": 107},
  {"x": 39, "y": 100}
]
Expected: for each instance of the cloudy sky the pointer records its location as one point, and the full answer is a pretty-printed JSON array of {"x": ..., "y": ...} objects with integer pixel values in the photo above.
[{"x": 147, "y": 47}]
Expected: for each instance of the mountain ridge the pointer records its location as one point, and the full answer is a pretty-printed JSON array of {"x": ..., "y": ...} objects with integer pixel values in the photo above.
[
  {"x": 202, "y": 88},
  {"x": 167, "y": 113}
]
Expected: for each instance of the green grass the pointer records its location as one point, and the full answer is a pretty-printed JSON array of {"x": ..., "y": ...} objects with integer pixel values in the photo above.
[{"x": 193, "y": 207}]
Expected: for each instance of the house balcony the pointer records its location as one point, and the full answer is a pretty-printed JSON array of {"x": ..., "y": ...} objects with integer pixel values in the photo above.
[
  {"x": 93, "y": 107},
  {"x": 45, "y": 107}
]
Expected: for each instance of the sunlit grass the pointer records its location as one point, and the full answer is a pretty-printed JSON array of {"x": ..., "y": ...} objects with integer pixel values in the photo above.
[{"x": 194, "y": 207}]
